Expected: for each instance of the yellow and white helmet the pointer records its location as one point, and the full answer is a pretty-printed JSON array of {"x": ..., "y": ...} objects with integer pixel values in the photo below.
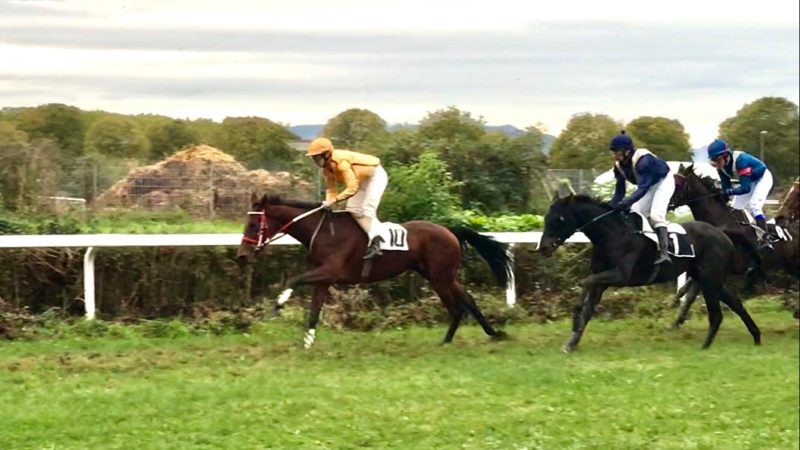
[{"x": 319, "y": 146}]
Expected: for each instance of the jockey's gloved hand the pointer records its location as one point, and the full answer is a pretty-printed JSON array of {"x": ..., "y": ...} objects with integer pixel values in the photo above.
[
  {"x": 326, "y": 204},
  {"x": 622, "y": 206}
]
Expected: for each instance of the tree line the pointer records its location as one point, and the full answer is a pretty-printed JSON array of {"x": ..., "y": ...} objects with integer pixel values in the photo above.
[{"x": 448, "y": 164}]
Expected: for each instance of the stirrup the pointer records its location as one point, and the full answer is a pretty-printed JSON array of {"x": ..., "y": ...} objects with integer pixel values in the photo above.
[{"x": 662, "y": 258}]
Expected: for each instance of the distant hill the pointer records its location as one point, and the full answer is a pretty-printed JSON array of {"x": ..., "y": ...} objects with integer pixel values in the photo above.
[{"x": 307, "y": 132}]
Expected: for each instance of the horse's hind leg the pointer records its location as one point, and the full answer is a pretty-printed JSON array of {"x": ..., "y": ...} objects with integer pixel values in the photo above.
[
  {"x": 691, "y": 290},
  {"x": 714, "y": 315},
  {"x": 736, "y": 306},
  {"x": 469, "y": 304},
  {"x": 454, "y": 307}
]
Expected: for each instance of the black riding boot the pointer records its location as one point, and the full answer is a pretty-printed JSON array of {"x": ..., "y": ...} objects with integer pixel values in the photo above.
[
  {"x": 374, "y": 248},
  {"x": 663, "y": 257},
  {"x": 763, "y": 242}
]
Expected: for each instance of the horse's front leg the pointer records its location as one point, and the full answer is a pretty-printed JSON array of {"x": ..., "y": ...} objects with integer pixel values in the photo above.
[
  {"x": 593, "y": 288},
  {"x": 316, "y": 275},
  {"x": 317, "y": 300}
]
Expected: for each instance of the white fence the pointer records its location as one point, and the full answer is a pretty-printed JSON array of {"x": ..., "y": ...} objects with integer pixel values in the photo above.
[{"x": 94, "y": 241}]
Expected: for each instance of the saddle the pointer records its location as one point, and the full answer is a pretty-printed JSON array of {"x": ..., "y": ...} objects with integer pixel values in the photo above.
[
  {"x": 678, "y": 245},
  {"x": 775, "y": 233}
]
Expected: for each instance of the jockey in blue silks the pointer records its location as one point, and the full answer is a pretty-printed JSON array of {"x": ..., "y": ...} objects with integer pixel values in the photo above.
[
  {"x": 755, "y": 181},
  {"x": 655, "y": 186}
]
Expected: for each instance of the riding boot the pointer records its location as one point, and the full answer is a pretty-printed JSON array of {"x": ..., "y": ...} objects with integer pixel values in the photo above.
[
  {"x": 663, "y": 257},
  {"x": 763, "y": 242},
  {"x": 374, "y": 248}
]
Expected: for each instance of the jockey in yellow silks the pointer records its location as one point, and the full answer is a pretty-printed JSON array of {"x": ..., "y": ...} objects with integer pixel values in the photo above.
[{"x": 364, "y": 179}]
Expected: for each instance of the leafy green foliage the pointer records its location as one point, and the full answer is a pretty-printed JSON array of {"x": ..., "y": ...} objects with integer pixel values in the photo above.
[
  {"x": 779, "y": 117},
  {"x": 60, "y": 123},
  {"x": 664, "y": 137},
  {"x": 167, "y": 138},
  {"x": 117, "y": 136},
  {"x": 256, "y": 142},
  {"x": 355, "y": 129},
  {"x": 421, "y": 190},
  {"x": 584, "y": 142}
]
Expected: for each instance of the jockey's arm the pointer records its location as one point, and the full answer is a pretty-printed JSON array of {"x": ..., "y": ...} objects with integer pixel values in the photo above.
[
  {"x": 350, "y": 181},
  {"x": 724, "y": 180},
  {"x": 743, "y": 188},
  {"x": 619, "y": 190},
  {"x": 330, "y": 188},
  {"x": 646, "y": 179}
]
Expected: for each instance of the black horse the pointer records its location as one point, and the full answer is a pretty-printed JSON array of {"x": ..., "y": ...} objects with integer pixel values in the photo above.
[
  {"x": 624, "y": 257},
  {"x": 708, "y": 204}
]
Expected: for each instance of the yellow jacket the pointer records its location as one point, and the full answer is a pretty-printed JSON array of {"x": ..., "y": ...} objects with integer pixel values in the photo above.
[{"x": 350, "y": 168}]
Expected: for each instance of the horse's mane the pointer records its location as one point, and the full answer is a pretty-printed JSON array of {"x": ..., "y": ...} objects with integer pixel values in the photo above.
[
  {"x": 584, "y": 198},
  {"x": 279, "y": 200},
  {"x": 709, "y": 183}
]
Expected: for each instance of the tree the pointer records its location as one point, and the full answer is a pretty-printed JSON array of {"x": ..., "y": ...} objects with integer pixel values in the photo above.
[
  {"x": 584, "y": 142},
  {"x": 61, "y": 123},
  {"x": 664, "y": 137},
  {"x": 27, "y": 170},
  {"x": 169, "y": 137},
  {"x": 355, "y": 129},
  {"x": 117, "y": 136},
  {"x": 451, "y": 124},
  {"x": 257, "y": 142},
  {"x": 423, "y": 190},
  {"x": 779, "y": 118}
]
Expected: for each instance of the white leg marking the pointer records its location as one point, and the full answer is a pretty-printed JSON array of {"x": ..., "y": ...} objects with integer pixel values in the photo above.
[
  {"x": 284, "y": 297},
  {"x": 308, "y": 339}
]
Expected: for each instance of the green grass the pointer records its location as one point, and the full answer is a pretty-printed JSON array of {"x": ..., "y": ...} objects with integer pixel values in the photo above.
[{"x": 632, "y": 384}]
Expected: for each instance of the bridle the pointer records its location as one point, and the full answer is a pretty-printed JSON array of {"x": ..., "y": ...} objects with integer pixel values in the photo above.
[
  {"x": 559, "y": 240},
  {"x": 264, "y": 238}
]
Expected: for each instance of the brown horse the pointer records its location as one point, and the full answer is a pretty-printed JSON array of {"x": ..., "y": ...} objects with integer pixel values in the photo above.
[
  {"x": 790, "y": 207},
  {"x": 336, "y": 246},
  {"x": 702, "y": 196}
]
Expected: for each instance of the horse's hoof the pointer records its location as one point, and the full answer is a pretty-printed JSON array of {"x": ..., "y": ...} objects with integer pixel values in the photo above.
[
  {"x": 500, "y": 336},
  {"x": 567, "y": 348}
]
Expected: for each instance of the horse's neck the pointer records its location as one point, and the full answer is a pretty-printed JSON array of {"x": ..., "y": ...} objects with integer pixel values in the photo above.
[
  {"x": 603, "y": 230},
  {"x": 303, "y": 229},
  {"x": 711, "y": 211}
]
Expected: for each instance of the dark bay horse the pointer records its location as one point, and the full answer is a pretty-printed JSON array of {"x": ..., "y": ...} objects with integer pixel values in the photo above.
[
  {"x": 336, "y": 246},
  {"x": 622, "y": 257},
  {"x": 702, "y": 196},
  {"x": 790, "y": 206}
]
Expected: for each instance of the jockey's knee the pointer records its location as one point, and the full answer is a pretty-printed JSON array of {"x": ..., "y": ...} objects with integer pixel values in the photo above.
[{"x": 658, "y": 220}]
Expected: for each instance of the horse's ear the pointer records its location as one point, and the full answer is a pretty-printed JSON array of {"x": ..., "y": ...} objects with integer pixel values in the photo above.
[
  {"x": 253, "y": 198},
  {"x": 680, "y": 167},
  {"x": 556, "y": 197}
]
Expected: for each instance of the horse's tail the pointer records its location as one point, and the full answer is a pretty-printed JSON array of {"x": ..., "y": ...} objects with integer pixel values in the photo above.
[{"x": 492, "y": 251}]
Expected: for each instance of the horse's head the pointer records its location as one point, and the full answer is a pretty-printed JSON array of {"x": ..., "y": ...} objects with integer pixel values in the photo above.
[
  {"x": 260, "y": 226},
  {"x": 790, "y": 207},
  {"x": 689, "y": 187},
  {"x": 565, "y": 216}
]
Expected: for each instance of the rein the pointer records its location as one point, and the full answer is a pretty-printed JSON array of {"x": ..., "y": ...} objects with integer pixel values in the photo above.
[{"x": 264, "y": 240}]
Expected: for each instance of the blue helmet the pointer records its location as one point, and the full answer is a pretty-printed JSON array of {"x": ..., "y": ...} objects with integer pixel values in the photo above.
[
  {"x": 716, "y": 148},
  {"x": 621, "y": 142}
]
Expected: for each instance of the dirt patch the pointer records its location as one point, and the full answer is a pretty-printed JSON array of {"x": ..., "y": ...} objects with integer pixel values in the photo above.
[{"x": 202, "y": 180}]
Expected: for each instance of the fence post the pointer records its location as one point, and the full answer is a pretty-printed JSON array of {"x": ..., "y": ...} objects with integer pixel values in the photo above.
[
  {"x": 511, "y": 289},
  {"x": 211, "y": 189},
  {"x": 88, "y": 282}
]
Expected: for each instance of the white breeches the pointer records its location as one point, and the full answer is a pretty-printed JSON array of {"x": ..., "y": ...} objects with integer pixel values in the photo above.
[
  {"x": 754, "y": 200},
  {"x": 364, "y": 204},
  {"x": 654, "y": 204}
]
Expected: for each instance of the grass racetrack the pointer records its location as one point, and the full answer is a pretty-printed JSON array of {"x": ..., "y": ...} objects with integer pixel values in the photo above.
[{"x": 632, "y": 384}]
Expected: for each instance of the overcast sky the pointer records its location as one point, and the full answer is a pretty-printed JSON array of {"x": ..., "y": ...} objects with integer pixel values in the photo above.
[{"x": 302, "y": 62}]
